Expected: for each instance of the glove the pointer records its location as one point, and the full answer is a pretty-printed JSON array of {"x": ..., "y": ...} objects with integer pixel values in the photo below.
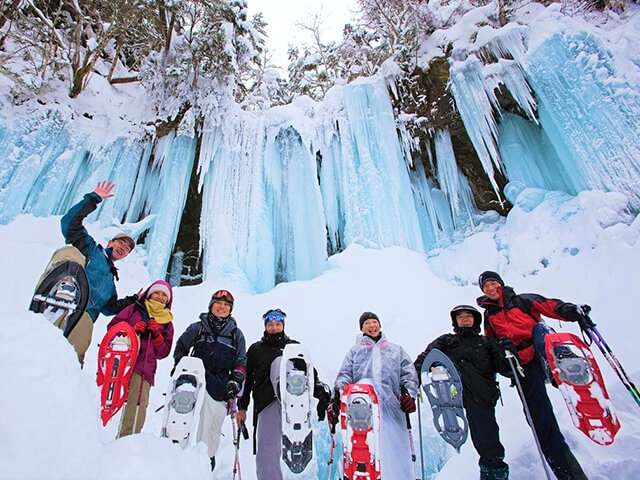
[
  {"x": 407, "y": 403},
  {"x": 506, "y": 344},
  {"x": 157, "y": 340},
  {"x": 582, "y": 317},
  {"x": 153, "y": 327},
  {"x": 140, "y": 327},
  {"x": 333, "y": 415},
  {"x": 324, "y": 400},
  {"x": 231, "y": 390}
]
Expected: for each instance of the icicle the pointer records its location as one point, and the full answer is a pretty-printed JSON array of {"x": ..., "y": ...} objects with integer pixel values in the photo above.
[{"x": 476, "y": 104}]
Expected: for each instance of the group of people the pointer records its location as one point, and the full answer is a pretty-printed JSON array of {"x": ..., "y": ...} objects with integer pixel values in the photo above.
[{"x": 512, "y": 322}]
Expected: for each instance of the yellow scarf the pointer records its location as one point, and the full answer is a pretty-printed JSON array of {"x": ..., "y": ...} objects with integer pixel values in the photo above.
[{"x": 158, "y": 310}]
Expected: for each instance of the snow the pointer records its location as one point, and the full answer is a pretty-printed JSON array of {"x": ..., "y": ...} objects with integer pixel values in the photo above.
[
  {"x": 573, "y": 232},
  {"x": 51, "y": 420}
]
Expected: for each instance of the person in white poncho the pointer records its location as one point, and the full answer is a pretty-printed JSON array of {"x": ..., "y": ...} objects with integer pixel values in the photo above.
[{"x": 387, "y": 366}]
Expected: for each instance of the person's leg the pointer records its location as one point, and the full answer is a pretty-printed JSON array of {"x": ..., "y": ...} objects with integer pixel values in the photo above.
[
  {"x": 80, "y": 336},
  {"x": 212, "y": 417},
  {"x": 129, "y": 411},
  {"x": 485, "y": 437},
  {"x": 269, "y": 444},
  {"x": 141, "y": 411},
  {"x": 562, "y": 462}
]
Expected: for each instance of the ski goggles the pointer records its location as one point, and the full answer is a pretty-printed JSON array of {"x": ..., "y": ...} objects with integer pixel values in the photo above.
[
  {"x": 223, "y": 295},
  {"x": 276, "y": 315}
]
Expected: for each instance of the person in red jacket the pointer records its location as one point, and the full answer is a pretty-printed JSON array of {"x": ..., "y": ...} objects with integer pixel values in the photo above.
[
  {"x": 515, "y": 320},
  {"x": 151, "y": 318}
]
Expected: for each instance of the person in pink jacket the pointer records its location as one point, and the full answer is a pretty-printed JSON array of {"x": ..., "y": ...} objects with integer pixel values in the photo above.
[{"x": 151, "y": 318}]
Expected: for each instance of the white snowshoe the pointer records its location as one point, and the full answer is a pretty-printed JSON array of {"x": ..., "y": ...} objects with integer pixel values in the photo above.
[
  {"x": 296, "y": 389},
  {"x": 184, "y": 402}
]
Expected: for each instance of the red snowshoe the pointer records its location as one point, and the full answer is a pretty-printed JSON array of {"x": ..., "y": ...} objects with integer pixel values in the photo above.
[
  {"x": 360, "y": 422},
  {"x": 579, "y": 380},
  {"x": 116, "y": 357}
]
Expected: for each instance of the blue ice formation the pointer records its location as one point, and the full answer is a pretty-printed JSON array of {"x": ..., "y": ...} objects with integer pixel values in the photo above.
[{"x": 284, "y": 189}]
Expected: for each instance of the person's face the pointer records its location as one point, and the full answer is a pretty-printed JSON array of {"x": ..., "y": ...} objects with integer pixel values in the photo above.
[
  {"x": 221, "y": 309},
  {"x": 464, "y": 319},
  {"x": 159, "y": 296},
  {"x": 120, "y": 249},
  {"x": 371, "y": 327},
  {"x": 274, "y": 327},
  {"x": 491, "y": 289}
]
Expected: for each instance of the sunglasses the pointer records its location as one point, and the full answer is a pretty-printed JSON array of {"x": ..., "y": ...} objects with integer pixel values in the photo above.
[{"x": 275, "y": 316}]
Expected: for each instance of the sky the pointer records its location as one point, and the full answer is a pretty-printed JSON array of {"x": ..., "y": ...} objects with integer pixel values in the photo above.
[{"x": 283, "y": 15}]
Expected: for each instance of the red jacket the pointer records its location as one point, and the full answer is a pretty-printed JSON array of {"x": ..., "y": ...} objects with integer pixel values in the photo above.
[{"x": 514, "y": 316}]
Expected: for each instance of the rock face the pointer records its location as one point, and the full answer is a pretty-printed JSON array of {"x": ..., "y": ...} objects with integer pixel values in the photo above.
[{"x": 424, "y": 95}]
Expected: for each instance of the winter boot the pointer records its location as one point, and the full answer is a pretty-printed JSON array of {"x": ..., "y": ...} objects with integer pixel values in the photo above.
[{"x": 494, "y": 471}]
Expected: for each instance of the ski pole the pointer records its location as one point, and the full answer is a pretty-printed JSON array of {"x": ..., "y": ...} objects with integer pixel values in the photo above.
[
  {"x": 512, "y": 363},
  {"x": 404, "y": 391},
  {"x": 231, "y": 405},
  {"x": 420, "y": 432},
  {"x": 332, "y": 432},
  {"x": 595, "y": 335}
]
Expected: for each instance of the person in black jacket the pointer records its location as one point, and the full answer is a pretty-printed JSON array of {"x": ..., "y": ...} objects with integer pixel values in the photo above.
[
  {"x": 477, "y": 359},
  {"x": 216, "y": 339},
  {"x": 263, "y": 367}
]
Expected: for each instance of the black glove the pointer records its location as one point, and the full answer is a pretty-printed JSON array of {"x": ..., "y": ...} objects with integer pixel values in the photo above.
[
  {"x": 333, "y": 411},
  {"x": 231, "y": 389},
  {"x": 506, "y": 344},
  {"x": 581, "y": 315},
  {"x": 324, "y": 399}
]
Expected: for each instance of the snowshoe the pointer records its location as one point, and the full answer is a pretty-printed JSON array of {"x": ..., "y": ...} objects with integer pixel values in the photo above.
[
  {"x": 184, "y": 402},
  {"x": 296, "y": 389},
  {"x": 360, "y": 423},
  {"x": 581, "y": 384},
  {"x": 443, "y": 387},
  {"x": 62, "y": 292},
  {"x": 117, "y": 356}
]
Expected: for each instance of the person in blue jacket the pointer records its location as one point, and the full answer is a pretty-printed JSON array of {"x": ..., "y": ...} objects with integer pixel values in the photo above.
[{"x": 99, "y": 266}]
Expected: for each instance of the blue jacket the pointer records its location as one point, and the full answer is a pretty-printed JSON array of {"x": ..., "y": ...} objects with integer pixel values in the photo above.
[
  {"x": 223, "y": 352},
  {"x": 101, "y": 272}
]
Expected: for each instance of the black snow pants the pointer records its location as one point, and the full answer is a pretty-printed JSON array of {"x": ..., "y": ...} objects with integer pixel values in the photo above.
[
  {"x": 484, "y": 432},
  {"x": 562, "y": 462}
]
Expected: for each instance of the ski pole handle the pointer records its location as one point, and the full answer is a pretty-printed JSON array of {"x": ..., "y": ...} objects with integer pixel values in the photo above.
[
  {"x": 245, "y": 432},
  {"x": 512, "y": 359}
]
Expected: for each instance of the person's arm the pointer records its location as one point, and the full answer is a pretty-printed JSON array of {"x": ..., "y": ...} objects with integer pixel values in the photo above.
[
  {"x": 408, "y": 374},
  {"x": 184, "y": 343},
  {"x": 71, "y": 224},
  {"x": 554, "y": 308},
  {"x": 116, "y": 305},
  {"x": 122, "y": 316},
  {"x": 438, "y": 343},
  {"x": 239, "y": 372},
  {"x": 345, "y": 374},
  {"x": 245, "y": 399}
]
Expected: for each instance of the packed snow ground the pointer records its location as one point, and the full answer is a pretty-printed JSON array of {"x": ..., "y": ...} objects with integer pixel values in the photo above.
[{"x": 50, "y": 407}]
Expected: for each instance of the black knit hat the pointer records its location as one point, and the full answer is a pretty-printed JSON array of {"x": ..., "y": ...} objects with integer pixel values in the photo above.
[
  {"x": 366, "y": 316},
  {"x": 489, "y": 275}
]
